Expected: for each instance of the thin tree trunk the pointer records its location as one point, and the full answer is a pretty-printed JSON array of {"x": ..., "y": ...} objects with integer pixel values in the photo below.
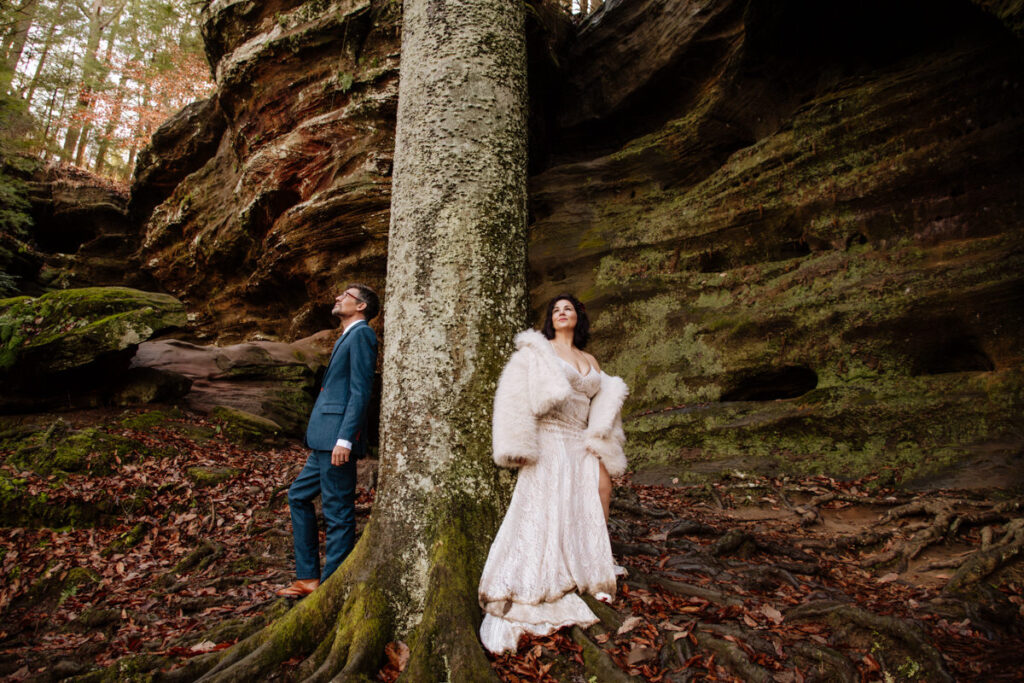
[
  {"x": 131, "y": 156},
  {"x": 97, "y": 24},
  {"x": 83, "y": 141},
  {"x": 456, "y": 295},
  {"x": 60, "y": 117},
  {"x": 14, "y": 46},
  {"x": 108, "y": 132},
  {"x": 47, "y": 44}
]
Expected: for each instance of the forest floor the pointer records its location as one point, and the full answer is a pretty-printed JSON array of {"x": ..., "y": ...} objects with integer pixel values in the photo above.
[{"x": 743, "y": 578}]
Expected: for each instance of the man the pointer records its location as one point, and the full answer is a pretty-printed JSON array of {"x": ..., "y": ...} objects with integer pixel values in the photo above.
[{"x": 337, "y": 436}]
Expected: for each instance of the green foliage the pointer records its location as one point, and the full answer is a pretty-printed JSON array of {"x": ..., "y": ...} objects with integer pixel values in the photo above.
[
  {"x": 345, "y": 81},
  {"x": 14, "y": 169}
]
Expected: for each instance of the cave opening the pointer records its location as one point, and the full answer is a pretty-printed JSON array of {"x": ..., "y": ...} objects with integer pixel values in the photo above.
[
  {"x": 789, "y": 381},
  {"x": 952, "y": 354}
]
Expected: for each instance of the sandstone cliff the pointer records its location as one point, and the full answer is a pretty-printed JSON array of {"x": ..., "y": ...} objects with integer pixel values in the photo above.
[
  {"x": 797, "y": 225},
  {"x": 257, "y": 204}
]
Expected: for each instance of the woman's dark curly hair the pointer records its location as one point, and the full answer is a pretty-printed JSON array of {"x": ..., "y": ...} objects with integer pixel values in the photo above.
[{"x": 581, "y": 335}]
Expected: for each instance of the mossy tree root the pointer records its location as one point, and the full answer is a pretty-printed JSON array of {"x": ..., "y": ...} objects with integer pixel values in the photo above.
[
  {"x": 597, "y": 662},
  {"x": 733, "y": 657},
  {"x": 900, "y": 645},
  {"x": 297, "y": 633},
  {"x": 363, "y": 628},
  {"x": 904, "y": 552},
  {"x": 986, "y": 562}
]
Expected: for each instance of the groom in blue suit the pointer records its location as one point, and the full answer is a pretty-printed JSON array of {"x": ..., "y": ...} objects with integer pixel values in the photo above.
[{"x": 337, "y": 436}]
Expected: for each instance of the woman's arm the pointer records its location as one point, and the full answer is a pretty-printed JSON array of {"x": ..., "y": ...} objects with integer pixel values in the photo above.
[
  {"x": 514, "y": 427},
  {"x": 604, "y": 437}
]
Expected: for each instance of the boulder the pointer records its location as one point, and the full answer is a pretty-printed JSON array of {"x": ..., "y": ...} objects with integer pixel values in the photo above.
[
  {"x": 244, "y": 426},
  {"x": 272, "y": 383},
  {"x": 76, "y": 341},
  {"x": 148, "y": 385}
]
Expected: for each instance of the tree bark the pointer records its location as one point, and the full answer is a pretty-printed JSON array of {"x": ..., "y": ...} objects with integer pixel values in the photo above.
[
  {"x": 14, "y": 43},
  {"x": 455, "y": 297}
]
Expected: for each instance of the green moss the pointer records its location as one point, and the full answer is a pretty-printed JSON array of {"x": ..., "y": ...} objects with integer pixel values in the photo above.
[
  {"x": 151, "y": 418},
  {"x": 852, "y": 431},
  {"x": 127, "y": 540},
  {"x": 345, "y": 81},
  {"x": 244, "y": 564},
  {"x": 54, "y": 586},
  {"x": 59, "y": 449},
  {"x": 244, "y": 426},
  {"x": 211, "y": 476}
]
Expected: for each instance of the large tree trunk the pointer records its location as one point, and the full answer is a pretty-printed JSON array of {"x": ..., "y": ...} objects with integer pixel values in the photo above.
[{"x": 455, "y": 297}]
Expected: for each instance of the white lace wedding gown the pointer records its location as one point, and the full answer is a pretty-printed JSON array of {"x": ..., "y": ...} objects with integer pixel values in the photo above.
[{"x": 553, "y": 541}]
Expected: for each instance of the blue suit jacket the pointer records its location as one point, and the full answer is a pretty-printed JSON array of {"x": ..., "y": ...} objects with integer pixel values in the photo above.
[{"x": 340, "y": 409}]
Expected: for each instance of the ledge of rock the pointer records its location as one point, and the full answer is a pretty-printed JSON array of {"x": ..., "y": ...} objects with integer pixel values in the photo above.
[{"x": 272, "y": 382}]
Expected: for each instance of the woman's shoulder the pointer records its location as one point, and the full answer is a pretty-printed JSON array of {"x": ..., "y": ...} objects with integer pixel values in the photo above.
[{"x": 533, "y": 340}]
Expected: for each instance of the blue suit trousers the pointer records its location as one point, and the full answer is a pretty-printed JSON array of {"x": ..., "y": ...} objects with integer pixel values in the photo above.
[{"x": 337, "y": 488}]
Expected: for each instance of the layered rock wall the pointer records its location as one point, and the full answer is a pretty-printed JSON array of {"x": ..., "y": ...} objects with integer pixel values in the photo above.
[
  {"x": 797, "y": 224},
  {"x": 291, "y": 197},
  {"x": 799, "y": 228}
]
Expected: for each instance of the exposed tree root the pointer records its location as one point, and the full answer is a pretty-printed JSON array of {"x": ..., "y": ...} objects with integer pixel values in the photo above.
[
  {"x": 861, "y": 540},
  {"x": 734, "y": 657},
  {"x": 597, "y": 662},
  {"x": 689, "y": 527},
  {"x": 850, "y": 498},
  {"x": 808, "y": 514},
  {"x": 609, "y": 617},
  {"x": 684, "y": 589},
  {"x": 826, "y": 663},
  {"x": 633, "y": 508},
  {"x": 903, "y": 642},
  {"x": 359, "y": 639},
  {"x": 297, "y": 633},
  {"x": 931, "y": 533},
  {"x": 200, "y": 558},
  {"x": 983, "y": 563},
  {"x": 635, "y": 549}
]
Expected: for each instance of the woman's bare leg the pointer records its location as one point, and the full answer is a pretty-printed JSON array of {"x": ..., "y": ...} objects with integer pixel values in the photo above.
[{"x": 604, "y": 487}]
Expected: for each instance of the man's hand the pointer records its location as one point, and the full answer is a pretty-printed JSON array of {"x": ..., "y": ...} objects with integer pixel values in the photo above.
[{"x": 340, "y": 454}]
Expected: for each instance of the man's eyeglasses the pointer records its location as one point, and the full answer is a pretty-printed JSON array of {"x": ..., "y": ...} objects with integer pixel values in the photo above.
[{"x": 344, "y": 294}]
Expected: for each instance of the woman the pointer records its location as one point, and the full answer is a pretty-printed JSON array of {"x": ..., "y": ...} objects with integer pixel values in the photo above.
[{"x": 556, "y": 416}]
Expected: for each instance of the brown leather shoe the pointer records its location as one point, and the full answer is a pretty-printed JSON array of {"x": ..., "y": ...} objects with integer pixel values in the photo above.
[{"x": 299, "y": 589}]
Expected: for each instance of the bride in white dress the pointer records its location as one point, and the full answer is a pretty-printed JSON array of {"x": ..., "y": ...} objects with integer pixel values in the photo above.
[{"x": 557, "y": 418}]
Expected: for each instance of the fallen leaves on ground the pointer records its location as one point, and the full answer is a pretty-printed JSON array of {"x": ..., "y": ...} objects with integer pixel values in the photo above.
[{"x": 93, "y": 595}]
